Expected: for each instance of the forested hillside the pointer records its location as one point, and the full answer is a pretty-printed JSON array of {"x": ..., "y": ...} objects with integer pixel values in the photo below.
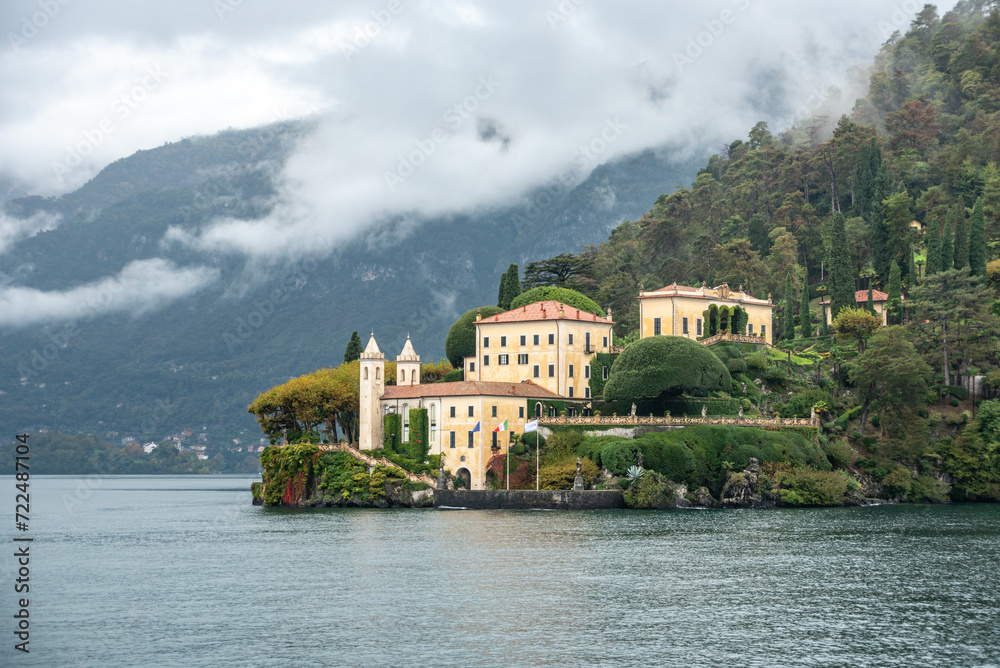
[{"x": 922, "y": 145}]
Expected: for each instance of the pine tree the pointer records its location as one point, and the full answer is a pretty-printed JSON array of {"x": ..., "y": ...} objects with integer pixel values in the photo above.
[
  {"x": 977, "y": 240},
  {"x": 895, "y": 302},
  {"x": 933, "y": 248},
  {"x": 805, "y": 317},
  {"x": 961, "y": 236},
  {"x": 841, "y": 276},
  {"x": 354, "y": 349},
  {"x": 789, "y": 316},
  {"x": 947, "y": 249}
]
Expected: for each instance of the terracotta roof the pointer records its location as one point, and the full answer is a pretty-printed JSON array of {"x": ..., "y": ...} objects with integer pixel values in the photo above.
[
  {"x": 465, "y": 388},
  {"x": 861, "y": 297},
  {"x": 548, "y": 310}
]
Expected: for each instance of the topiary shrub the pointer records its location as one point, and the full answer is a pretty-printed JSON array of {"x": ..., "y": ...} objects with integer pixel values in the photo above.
[
  {"x": 758, "y": 361},
  {"x": 953, "y": 401},
  {"x": 663, "y": 366},
  {"x": 564, "y": 295},
  {"x": 461, "y": 340},
  {"x": 736, "y": 365},
  {"x": 617, "y": 457},
  {"x": 453, "y": 376}
]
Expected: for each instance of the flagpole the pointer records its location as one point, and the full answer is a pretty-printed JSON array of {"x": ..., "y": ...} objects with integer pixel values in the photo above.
[
  {"x": 507, "y": 457},
  {"x": 536, "y": 459}
]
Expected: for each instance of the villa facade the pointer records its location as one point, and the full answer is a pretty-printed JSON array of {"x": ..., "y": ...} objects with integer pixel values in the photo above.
[{"x": 678, "y": 310}]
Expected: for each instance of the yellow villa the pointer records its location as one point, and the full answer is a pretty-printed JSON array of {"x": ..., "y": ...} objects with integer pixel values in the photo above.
[
  {"x": 453, "y": 411},
  {"x": 549, "y": 343},
  {"x": 880, "y": 301},
  {"x": 678, "y": 310}
]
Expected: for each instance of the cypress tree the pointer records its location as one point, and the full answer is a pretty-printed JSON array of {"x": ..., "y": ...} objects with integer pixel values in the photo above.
[
  {"x": 961, "y": 236},
  {"x": 789, "y": 316},
  {"x": 881, "y": 250},
  {"x": 977, "y": 240},
  {"x": 871, "y": 302},
  {"x": 805, "y": 318},
  {"x": 933, "y": 248},
  {"x": 510, "y": 287},
  {"x": 864, "y": 182},
  {"x": 913, "y": 270},
  {"x": 947, "y": 249},
  {"x": 895, "y": 301},
  {"x": 841, "y": 276},
  {"x": 502, "y": 292},
  {"x": 354, "y": 349}
]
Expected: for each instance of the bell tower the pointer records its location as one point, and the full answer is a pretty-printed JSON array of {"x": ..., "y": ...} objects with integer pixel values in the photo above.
[
  {"x": 372, "y": 387},
  {"x": 408, "y": 365}
]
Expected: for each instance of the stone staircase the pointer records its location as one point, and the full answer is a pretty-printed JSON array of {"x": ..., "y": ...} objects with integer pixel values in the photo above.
[{"x": 376, "y": 461}]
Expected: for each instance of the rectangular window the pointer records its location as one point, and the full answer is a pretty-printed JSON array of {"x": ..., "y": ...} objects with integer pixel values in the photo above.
[
  {"x": 656, "y": 327},
  {"x": 520, "y": 412},
  {"x": 451, "y": 437},
  {"x": 586, "y": 342},
  {"x": 494, "y": 443},
  {"x": 552, "y": 339},
  {"x": 697, "y": 326},
  {"x": 472, "y": 439},
  {"x": 570, "y": 339},
  {"x": 684, "y": 325},
  {"x": 571, "y": 393},
  {"x": 605, "y": 342},
  {"x": 503, "y": 341},
  {"x": 536, "y": 371},
  {"x": 494, "y": 411},
  {"x": 452, "y": 413},
  {"x": 486, "y": 360},
  {"x": 604, "y": 375},
  {"x": 534, "y": 339},
  {"x": 471, "y": 414},
  {"x": 524, "y": 340},
  {"x": 750, "y": 328},
  {"x": 763, "y": 330},
  {"x": 486, "y": 342},
  {"x": 586, "y": 392},
  {"x": 552, "y": 371},
  {"x": 504, "y": 360},
  {"x": 472, "y": 367},
  {"x": 570, "y": 370},
  {"x": 586, "y": 371},
  {"x": 522, "y": 358}
]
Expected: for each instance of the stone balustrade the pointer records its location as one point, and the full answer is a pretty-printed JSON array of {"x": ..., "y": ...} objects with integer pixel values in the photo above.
[
  {"x": 635, "y": 420},
  {"x": 726, "y": 337}
]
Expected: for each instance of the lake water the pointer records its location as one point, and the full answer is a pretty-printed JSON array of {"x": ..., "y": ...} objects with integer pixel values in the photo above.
[{"x": 184, "y": 571}]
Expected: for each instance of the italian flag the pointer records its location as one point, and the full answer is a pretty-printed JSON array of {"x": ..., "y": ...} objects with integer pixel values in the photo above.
[{"x": 502, "y": 426}]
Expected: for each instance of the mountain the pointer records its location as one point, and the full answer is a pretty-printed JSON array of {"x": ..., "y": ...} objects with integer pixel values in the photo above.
[{"x": 197, "y": 361}]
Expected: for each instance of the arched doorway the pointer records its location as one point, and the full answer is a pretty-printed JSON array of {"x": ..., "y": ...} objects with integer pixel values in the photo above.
[{"x": 465, "y": 475}]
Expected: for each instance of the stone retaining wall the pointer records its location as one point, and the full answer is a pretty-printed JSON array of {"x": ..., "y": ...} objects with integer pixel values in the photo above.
[{"x": 528, "y": 499}]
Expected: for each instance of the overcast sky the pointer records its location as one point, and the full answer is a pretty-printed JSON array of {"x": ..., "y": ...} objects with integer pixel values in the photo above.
[{"x": 425, "y": 107}]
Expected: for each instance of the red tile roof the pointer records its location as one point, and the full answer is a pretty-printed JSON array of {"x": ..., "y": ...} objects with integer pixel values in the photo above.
[
  {"x": 548, "y": 310},
  {"x": 696, "y": 293},
  {"x": 861, "y": 297},
  {"x": 463, "y": 388}
]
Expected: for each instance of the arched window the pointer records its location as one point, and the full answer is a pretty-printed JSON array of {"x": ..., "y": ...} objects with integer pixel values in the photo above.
[
  {"x": 402, "y": 375},
  {"x": 378, "y": 373},
  {"x": 406, "y": 423},
  {"x": 366, "y": 373},
  {"x": 538, "y": 409}
]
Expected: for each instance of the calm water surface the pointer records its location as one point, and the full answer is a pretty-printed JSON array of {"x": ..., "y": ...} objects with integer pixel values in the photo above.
[{"x": 183, "y": 571}]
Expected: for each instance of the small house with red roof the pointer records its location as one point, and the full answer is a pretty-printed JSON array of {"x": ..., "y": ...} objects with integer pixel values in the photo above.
[{"x": 880, "y": 301}]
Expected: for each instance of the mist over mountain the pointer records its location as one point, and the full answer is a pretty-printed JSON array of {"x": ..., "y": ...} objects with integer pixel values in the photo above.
[{"x": 178, "y": 337}]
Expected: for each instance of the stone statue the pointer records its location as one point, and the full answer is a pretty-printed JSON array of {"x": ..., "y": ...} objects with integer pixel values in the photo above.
[
  {"x": 578, "y": 480},
  {"x": 704, "y": 411},
  {"x": 640, "y": 459},
  {"x": 812, "y": 415},
  {"x": 633, "y": 409},
  {"x": 579, "y": 467},
  {"x": 741, "y": 411}
]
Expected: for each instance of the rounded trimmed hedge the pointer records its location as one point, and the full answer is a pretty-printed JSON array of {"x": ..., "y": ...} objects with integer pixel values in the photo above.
[
  {"x": 665, "y": 365},
  {"x": 461, "y": 341},
  {"x": 564, "y": 295}
]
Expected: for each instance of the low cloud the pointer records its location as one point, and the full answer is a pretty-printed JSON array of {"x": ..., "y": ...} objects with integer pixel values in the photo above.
[
  {"x": 13, "y": 230},
  {"x": 142, "y": 286}
]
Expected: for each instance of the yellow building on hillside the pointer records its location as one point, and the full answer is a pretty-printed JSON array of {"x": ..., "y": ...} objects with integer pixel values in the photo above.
[
  {"x": 453, "y": 411},
  {"x": 549, "y": 343},
  {"x": 678, "y": 310},
  {"x": 880, "y": 302}
]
